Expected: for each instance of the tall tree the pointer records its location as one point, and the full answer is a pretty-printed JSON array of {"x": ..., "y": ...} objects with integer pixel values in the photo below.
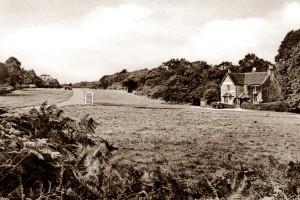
[
  {"x": 250, "y": 61},
  {"x": 15, "y": 71},
  {"x": 291, "y": 40},
  {"x": 130, "y": 84},
  {"x": 4, "y": 75},
  {"x": 288, "y": 67},
  {"x": 49, "y": 82},
  {"x": 227, "y": 66}
]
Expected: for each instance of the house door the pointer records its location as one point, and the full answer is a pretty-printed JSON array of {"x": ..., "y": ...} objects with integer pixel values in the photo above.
[
  {"x": 238, "y": 103},
  {"x": 241, "y": 102}
]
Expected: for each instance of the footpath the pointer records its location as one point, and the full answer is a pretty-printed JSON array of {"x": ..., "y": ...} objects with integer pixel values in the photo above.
[{"x": 76, "y": 99}]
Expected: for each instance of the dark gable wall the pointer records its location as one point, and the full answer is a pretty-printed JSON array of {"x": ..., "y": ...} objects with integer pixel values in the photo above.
[
  {"x": 270, "y": 91},
  {"x": 239, "y": 90}
]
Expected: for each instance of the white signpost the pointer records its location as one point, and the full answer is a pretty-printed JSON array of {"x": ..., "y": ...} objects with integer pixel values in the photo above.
[{"x": 87, "y": 95}]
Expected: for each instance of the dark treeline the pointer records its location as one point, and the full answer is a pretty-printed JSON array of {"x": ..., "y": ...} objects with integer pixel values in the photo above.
[
  {"x": 181, "y": 81},
  {"x": 12, "y": 74}
]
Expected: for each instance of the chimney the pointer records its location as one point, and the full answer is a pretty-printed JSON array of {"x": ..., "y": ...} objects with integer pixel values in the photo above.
[
  {"x": 271, "y": 72},
  {"x": 253, "y": 69}
]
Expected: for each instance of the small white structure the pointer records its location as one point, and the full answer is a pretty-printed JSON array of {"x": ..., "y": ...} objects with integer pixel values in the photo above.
[{"x": 88, "y": 94}]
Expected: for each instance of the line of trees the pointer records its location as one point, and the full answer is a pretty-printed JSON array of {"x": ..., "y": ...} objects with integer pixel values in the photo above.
[
  {"x": 181, "y": 81},
  {"x": 12, "y": 74}
]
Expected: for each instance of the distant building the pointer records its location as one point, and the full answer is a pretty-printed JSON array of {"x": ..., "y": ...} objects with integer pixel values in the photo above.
[
  {"x": 28, "y": 86},
  {"x": 254, "y": 87}
]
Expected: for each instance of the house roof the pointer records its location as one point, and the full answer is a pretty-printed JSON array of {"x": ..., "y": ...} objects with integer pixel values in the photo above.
[
  {"x": 227, "y": 95},
  {"x": 243, "y": 95},
  {"x": 254, "y": 78},
  {"x": 237, "y": 78}
]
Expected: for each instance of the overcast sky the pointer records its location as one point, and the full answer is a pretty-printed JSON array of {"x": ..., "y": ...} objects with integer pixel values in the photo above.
[{"x": 77, "y": 40}]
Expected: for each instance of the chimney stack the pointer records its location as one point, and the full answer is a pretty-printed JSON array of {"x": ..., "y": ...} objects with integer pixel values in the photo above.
[{"x": 271, "y": 72}]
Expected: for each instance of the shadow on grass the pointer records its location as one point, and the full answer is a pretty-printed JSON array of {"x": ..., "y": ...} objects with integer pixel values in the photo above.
[
  {"x": 18, "y": 95},
  {"x": 137, "y": 106}
]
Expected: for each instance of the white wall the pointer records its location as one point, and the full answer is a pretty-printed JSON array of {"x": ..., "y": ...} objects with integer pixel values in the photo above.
[{"x": 224, "y": 89}]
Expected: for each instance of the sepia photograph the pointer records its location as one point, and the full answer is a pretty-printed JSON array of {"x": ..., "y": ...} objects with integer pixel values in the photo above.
[{"x": 149, "y": 100}]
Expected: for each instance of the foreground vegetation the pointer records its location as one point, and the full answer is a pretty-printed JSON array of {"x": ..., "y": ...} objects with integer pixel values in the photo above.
[
  {"x": 154, "y": 155},
  {"x": 206, "y": 152}
]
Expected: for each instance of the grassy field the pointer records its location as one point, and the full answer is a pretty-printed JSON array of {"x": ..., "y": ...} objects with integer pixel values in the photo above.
[
  {"x": 190, "y": 140},
  {"x": 193, "y": 144},
  {"x": 122, "y": 98},
  {"x": 27, "y": 98}
]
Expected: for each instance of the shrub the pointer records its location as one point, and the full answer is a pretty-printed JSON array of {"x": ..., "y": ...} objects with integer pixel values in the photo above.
[
  {"x": 211, "y": 95},
  {"x": 39, "y": 150},
  {"x": 47, "y": 155},
  {"x": 218, "y": 105},
  {"x": 4, "y": 91},
  {"x": 278, "y": 106}
]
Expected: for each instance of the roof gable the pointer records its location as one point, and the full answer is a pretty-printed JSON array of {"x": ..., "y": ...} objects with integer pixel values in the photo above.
[
  {"x": 255, "y": 78},
  {"x": 224, "y": 79},
  {"x": 244, "y": 95}
]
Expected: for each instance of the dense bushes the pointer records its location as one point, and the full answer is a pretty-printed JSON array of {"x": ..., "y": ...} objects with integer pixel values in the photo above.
[
  {"x": 13, "y": 75},
  {"x": 47, "y": 155},
  {"x": 175, "y": 81},
  {"x": 181, "y": 81},
  {"x": 38, "y": 153},
  {"x": 278, "y": 106},
  {"x": 4, "y": 91},
  {"x": 218, "y": 105}
]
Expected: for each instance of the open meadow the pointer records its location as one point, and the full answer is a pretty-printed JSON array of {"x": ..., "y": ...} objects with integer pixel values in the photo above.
[
  {"x": 192, "y": 142},
  {"x": 33, "y": 97},
  {"x": 147, "y": 149}
]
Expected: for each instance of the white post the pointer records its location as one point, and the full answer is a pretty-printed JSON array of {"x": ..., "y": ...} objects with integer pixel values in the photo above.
[{"x": 86, "y": 96}]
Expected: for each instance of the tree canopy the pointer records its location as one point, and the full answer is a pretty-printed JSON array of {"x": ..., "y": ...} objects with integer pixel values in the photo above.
[
  {"x": 288, "y": 67},
  {"x": 286, "y": 47},
  {"x": 250, "y": 61},
  {"x": 181, "y": 81},
  {"x": 12, "y": 74},
  {"x": 4, "y": 75}
]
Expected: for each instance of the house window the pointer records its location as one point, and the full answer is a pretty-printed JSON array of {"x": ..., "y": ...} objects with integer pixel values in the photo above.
[
  {"x": 228, "y": 87},
  {"x": 225, "y": 99},
  {"x": 254, "y": 89},
  {"x": 255, "y": 99},
  {"x": 246, "y": 88}
]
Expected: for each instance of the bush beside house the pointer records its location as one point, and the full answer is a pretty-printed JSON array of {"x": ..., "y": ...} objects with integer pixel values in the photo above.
[{"x": 278, "y": 106}]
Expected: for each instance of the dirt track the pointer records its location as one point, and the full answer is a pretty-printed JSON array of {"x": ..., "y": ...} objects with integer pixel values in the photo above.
[{"x": 76, "y": 99}]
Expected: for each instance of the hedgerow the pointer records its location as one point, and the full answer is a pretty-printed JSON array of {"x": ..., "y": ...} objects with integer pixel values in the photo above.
[
  {"x": 47, "y": 155},
  {"x": 278, "y": 106}
]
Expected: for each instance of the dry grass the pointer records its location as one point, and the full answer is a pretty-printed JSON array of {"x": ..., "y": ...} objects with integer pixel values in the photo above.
[
  {"x": 122, "y": 98},
  {"x": 190, "y": 140},
  {"x": 27, "y": 98}
]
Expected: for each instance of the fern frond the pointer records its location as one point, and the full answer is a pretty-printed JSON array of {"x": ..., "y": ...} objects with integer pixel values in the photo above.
[
  {"x": 213, "y": 190},
  {"x": 240, "y": 189},
  {"x": 37, "y": 154},
  {"x": 235, "y": 180}
]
